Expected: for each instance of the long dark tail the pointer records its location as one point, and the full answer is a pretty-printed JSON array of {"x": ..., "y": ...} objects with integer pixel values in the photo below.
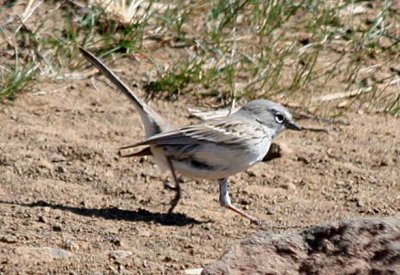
[{"x": 152, "y": 121}]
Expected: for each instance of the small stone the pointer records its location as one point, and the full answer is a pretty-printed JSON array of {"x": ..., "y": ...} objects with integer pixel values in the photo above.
[
  {"x": 383, "y": 162},
  {"x": 205, "y": 226},
  {"x": 57, "y": 252},
  {"x": 145, "y": 264},
  {"x": 144, "y": 233},
  {"x": 343, "y": 104},
  {"x": 114, "y": 240},
  {"x": 251, "y": 173},
  {"x": 193, "y": 271},
  {"x": 57, "y": 158},
  {"x": 28, "y": 254},
  {"x": 340, "y": 183},
  {"x": 303, "y": 159},
  {"x": 360, "y": 202},
  {"x": 120, "y": 254},
  {"x": 167, "y": 259},
  {"x": 8, "y": 239},
  {"x": 45, "y": 164},
  {"x": 71, "y": 245},
  {"x": 271, "y": 211},
  {"x": 274, "y": 151},
  {"x": 288, "y": 186},
  {"x": 60, "y": 169}
]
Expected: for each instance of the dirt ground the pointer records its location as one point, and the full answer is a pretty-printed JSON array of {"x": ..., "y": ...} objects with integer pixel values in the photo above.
[{"x": 62, "y": 186}]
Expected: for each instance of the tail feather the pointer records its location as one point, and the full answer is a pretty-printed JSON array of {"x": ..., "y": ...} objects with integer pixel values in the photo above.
[{"x": 153, "y": 123}]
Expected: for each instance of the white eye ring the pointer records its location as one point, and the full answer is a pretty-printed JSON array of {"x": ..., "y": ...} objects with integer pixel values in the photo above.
[{"x": 280, "y": 118}]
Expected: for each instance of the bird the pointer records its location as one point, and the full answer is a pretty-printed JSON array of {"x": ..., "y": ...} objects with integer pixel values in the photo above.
[{"x": 213, "y": 149}]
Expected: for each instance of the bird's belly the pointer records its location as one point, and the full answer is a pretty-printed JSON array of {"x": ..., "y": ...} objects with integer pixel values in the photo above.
[{"x": 217, "y": 163}]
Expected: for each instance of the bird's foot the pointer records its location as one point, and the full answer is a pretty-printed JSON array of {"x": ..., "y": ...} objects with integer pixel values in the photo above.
[
  {"x": 169, "y": 186},
  {"x": 175, "y": 188}
]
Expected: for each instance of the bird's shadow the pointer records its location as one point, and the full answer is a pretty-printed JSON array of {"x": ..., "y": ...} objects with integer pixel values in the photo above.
[{"x": 114, "y": 213}]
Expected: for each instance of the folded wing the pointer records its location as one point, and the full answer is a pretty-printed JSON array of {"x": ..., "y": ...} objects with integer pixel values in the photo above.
[{"x": 221, "y": 131}]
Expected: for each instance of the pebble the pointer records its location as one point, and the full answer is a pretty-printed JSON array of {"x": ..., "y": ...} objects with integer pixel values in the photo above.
[
  {"x": 120, "y": 254},
  {"x": 288, "y": 186},
  {"x": 193, "y": 271},
  {"x": 42, "y": 253},
  {"x": 71, "y": 245},
  {"x": 57, "y": 252},
  {"x": 43, "y": 163}
]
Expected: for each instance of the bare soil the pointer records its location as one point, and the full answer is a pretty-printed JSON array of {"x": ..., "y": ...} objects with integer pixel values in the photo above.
[{"x": 63, "y": 186}]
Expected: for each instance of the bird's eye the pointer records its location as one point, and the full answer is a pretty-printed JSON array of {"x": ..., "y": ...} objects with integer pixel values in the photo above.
[{"x": 280, "y": 118}]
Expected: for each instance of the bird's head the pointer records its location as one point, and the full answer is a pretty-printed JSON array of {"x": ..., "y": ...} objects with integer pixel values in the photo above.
[{"x": 271, "y": 114}]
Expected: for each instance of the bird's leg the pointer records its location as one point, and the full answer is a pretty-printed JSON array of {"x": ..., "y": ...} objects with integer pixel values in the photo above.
[
  {"x": 168, "y": 186},
  {"x": 225, "y": 201},
  {"x": 176, "y": 188}
]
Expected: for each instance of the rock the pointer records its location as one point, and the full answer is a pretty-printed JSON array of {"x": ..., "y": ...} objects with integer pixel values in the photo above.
[
  {"x": 27, "y": 254},
  {"x": 71, "y": 245},
  {"x": 275, "y": 151},
  {"x": 44, "y": 167},
  {"x": 45, "y": 164},
  {"x": 120, "y": 254},
  {"x": 57, "y": 253},
  {"x": 288, "y": 185},
  {"x": 8, "y": 239},
  {"x": 356, "y": 246},
  {"x": 193, "y": 271}
]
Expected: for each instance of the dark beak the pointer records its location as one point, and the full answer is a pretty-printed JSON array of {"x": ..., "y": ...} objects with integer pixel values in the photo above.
[{"x": 293, "y": 126}]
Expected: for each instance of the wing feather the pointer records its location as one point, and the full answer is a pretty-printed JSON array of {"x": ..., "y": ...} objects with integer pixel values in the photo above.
[{"x": 224, "y": 130}]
